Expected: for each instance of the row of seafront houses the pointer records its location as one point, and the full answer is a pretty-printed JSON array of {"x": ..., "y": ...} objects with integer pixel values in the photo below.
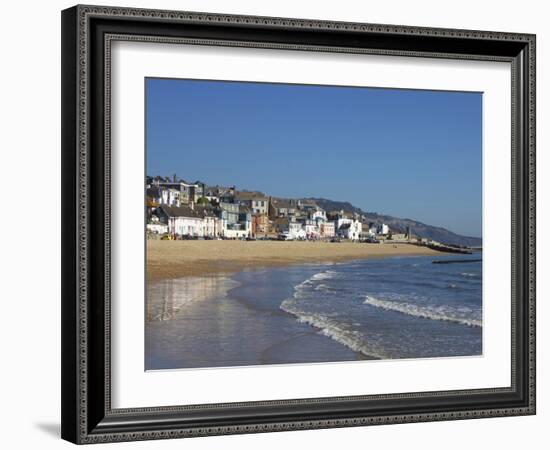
[{"x": 180, "y": 209}]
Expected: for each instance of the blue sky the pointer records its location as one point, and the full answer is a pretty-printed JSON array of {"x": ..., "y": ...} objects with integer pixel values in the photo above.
[{"x": 408, "y": 153}]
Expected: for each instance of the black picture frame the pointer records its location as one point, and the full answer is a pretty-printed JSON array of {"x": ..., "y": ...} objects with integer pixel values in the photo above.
[{"x": 87, "y": 416}]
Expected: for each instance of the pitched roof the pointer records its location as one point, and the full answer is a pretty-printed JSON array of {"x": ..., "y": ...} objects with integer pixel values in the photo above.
[
  {"x": 282, "y": 203},
  {"x": 280, "y": 221},
  {"x": 206, "y": 211},
  {"x": 250, "y": 195},
  {"x": 179, "y": 211},
  {"x": 169, "y": 181}
]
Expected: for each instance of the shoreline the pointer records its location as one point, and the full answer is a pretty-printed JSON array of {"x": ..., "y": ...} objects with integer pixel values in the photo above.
[
  {"x": 179, "y": 259},
  {"x": 311, "y": 334},
  {"x": 237, "y": 320},
  {"x": 256, "y": 331}
]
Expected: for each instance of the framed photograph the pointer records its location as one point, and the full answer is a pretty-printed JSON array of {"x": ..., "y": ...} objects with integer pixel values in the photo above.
[{"x": 277, "y": 224}]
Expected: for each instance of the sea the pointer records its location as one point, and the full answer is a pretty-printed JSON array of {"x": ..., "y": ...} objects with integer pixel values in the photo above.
[
  {"x": 390, "y": 308},
  {"x": 387, "y": 308}
]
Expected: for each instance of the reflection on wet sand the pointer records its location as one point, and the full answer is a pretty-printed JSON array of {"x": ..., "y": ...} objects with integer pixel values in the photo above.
[
  {"x": 216, "y": 321},
  {"x": 165, "y": 299}
]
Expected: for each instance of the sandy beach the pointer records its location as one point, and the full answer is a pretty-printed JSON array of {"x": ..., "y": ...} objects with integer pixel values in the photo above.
[{"x": 176, "y": 259}]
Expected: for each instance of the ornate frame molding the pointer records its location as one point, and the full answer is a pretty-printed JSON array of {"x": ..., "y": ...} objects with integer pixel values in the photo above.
[{"x": 87, "y": 423}]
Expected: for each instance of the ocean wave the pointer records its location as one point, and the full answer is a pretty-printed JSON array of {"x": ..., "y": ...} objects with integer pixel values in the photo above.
[
  {"x": 304, "y": 286},
  {"x": 311, "y": 282},
  {"x": 323, "y": 287},
  {"x": 427, "y": 283},
  {"x": 469, "y": 274},
  {"x": 330, "y": 327},
  {"x": 440, "y": 313},
  {"x": 326, "y": 275}
]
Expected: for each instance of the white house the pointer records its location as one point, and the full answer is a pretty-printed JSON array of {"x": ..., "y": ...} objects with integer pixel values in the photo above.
[
  {"x": 351, "y": 230},
  {"x": 311, "y": 229},
  {"x": 163, "y": 196},
  {"x": 181, "y": 220},
  {"x": 238, "y": 231},
  {"x": 170, "y": 197},
  {"x": 212, "y": 224},
  {"x": 188, "y": 192},
  {"x": 260, "y": 205},
  {"x": 319, "y": 215},
  {"x": 373, "y": 230},
  {"x": 295, "y": 230},
  {"x": 155, "y": 226}
]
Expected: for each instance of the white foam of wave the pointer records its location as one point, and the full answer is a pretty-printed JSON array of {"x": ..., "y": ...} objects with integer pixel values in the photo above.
[
  {"x": 306, "y": 285},
  {"x": 326, "y": 323},
  {"x": 441, "y": 313},
  {"x": 303, "y": 286},
  {"x": 331, "y": 328},
  {"x": 326, "y": 275},
  {"x": 322, "y": 287},
  {"x": 468, "y": 274}
]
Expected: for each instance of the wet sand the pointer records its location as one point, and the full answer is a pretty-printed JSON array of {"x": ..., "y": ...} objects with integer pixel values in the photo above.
[
  {"x": 176, "y": 259},
  {"x": 233, "y": 321}
]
